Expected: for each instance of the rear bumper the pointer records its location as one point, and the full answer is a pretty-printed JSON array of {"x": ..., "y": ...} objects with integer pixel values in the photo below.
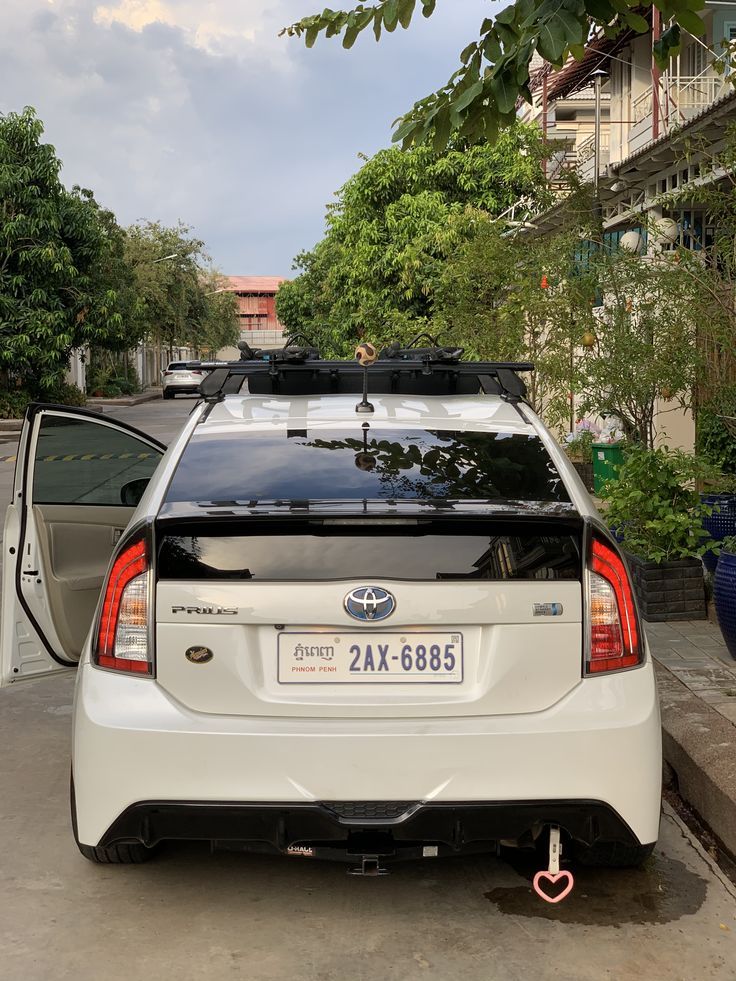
[
  {"x": 357, "y": 827},
  {"x": 146, "y": 767}
]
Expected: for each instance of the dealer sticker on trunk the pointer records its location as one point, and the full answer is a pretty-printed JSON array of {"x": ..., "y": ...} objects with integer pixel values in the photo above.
[{"x": 405, "y": 658}]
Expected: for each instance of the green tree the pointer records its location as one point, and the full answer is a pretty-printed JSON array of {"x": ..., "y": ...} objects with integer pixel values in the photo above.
[
  {"x": 710, "y": 262},
  {"x": 481, "y": 96},
  {"x": 172, "y": 279},
  {"x": 520, "y": 299},
  {"x": 217, "y": 323},
  {"x": 390, "y": 231},
  {"x": 617, "y": 332},
  {"x": 55, "y": 245},
  {"x": 644, "y": 346}
]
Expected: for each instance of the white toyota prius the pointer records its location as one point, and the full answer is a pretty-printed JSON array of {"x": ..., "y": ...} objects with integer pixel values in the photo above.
[{"x": 326, "y": 626}]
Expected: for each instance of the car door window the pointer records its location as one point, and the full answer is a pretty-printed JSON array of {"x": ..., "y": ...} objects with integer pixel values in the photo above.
[{"x": 80, "y": 462}]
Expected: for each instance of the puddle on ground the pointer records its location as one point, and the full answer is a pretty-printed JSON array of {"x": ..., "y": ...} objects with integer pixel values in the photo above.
[{"x": 663, "y": 891}]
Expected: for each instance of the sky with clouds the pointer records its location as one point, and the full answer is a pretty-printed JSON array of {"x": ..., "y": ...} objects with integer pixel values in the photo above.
[{"x": 196, "y": 109}]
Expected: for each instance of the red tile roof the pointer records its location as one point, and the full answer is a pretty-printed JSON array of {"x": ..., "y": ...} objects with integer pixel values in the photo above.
[{"x": 254, "y": 284}]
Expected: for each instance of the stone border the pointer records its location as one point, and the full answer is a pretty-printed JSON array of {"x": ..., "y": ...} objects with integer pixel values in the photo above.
[
  {"x": 148, "y": 396},
  {"x": 700, "y": 745},
  {"x": 15, "y": 425}
]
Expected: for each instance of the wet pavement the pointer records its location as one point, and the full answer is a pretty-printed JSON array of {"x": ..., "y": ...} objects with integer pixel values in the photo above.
[{"x": 190, "y": 914}]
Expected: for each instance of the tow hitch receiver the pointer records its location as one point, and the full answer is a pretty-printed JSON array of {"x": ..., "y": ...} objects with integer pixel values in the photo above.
[
  {"x": 553, "y": 874},
  {"x": 369, "y": 865}
]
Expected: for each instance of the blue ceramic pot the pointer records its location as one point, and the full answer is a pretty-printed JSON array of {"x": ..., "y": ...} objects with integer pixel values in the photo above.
[
  {"x": 721, "y": 523},
  {"x": 724, "y": 595}
]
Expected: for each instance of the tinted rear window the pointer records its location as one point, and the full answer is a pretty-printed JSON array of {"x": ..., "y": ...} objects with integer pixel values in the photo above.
[
  {"x": 370, "y": 464},
  {"x": 438, "y": 552}
]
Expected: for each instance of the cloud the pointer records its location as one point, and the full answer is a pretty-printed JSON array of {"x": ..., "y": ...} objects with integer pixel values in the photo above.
[
  {"x": 196, "y": 110},
  {"x": 217, "y": 26}
]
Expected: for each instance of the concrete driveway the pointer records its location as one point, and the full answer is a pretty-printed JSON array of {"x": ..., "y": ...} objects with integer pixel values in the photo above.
[{"x": 191, "y": 914}]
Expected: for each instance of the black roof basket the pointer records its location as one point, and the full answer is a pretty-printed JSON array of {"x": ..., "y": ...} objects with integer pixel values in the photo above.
[{"x": 297, "y": 369}]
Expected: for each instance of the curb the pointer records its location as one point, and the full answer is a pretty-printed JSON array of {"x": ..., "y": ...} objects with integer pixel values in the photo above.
[
  {"x": 15, "y": 425},
  {"x": 148, "y": 396},
  {"x": 700, "y": 746}
]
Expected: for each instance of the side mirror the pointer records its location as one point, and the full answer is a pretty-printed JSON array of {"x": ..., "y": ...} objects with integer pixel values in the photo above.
[{"x": 132, "y": 492}]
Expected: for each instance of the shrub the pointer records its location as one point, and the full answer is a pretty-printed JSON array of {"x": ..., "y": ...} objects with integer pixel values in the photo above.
[
  {"x": 64, "y": 394},
  {"x": 714, "y": 439},
  {"x": 580, "y": 447},
  {"x": 13, "y": 402},
  {"x": 728, "y": 544},
  {"x": 111, "y": 380},
  {"x": 654, "y": 503}
]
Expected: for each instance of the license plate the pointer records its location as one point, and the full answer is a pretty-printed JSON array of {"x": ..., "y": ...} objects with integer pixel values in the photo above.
[{"x": 374, "y": 659}]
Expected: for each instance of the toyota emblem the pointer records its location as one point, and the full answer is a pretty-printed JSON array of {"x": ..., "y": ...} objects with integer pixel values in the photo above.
[{"x": 370, "y": 603}]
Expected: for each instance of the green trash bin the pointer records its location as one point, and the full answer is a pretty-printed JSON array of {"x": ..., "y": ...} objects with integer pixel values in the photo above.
[{"x": 607, "y": 457}]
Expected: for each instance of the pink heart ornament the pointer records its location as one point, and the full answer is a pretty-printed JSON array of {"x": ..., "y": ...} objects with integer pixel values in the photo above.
[{"x": 553, "y": 877}]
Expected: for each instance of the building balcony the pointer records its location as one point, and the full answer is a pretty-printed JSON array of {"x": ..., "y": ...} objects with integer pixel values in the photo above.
[
  {"x": 681, "y": 98},
  {"x": 585, "y": 164}
]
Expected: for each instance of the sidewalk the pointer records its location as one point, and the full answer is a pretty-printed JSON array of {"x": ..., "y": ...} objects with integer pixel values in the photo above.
[
  {"x": 14, "y": 426},
  {"x": 148, "y": 396},
  {"x": 697, "y": 688}
]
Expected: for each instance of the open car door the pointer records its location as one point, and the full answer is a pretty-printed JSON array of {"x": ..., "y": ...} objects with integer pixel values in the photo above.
[{"x": 78, "y": 479}]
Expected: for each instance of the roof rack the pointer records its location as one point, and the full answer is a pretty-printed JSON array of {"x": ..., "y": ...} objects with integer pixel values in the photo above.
[{"x": 297, "y": 369}]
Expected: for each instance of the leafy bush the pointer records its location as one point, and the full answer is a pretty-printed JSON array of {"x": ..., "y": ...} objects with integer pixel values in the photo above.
[
  {"x": 13, "y": 402},
  {"x": 63, "y": 393},
  {"x": 580, "y": 448},
  {"x": 714, "y": 440},
  {"x": 655, "y": 504},
  {"x": 728, "y": 544},
  {"x": 110, "y": 381}
]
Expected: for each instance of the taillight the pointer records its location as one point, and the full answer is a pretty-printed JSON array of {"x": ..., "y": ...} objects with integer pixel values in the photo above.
[
  {"x": 614, "y": 641},
  {"x": 122, "y": 640}
]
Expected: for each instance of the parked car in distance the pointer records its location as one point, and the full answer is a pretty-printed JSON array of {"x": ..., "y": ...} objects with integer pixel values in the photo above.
[
  {"x": 179, "y": 379},
  {"x": 391, "y": 629}
]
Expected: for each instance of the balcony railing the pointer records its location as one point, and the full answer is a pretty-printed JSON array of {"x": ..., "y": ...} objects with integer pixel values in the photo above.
[
  {"x": 680, "y": 98},
  {"x": 586, "y": 156}
]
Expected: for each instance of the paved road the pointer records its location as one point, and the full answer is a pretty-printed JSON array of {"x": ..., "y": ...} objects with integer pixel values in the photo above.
[{"x": 194, "y": 915}]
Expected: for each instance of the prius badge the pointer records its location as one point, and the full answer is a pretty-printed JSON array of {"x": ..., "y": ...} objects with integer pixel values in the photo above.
[{"x": 369, "y": 603}]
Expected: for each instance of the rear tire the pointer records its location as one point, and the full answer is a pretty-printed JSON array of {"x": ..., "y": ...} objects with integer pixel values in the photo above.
[
  {"x": 168, "y": 394},
  {"x": 127, "y": 854},
  {"x": 613, "y": 855}
]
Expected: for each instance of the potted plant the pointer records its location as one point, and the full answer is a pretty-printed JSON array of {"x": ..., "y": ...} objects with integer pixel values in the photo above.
[
  {"x": 579, "y": 448},
  {"x": 724, "y": 592},
  {"x": 716, "y": 440},
  {"x": 658, "y": 514}
]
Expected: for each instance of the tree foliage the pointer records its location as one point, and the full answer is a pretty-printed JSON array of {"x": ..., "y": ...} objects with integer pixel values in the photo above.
[
  {"x": 655, "y": 505},
  {"x": 390, "y": 232},
  {"x": 502, "y": 298},
  {"x": 481, "y": 96},
  {"x": 645, "y": 348},
  {"x": 71, "y": 277},
  {"x": 54, "y": 245},
  {"x": 176, "y": 303},
  {"x": 611, "y": 333}
]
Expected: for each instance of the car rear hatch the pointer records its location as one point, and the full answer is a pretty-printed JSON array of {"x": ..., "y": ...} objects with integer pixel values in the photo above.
[{"x": 370, "y": 615}]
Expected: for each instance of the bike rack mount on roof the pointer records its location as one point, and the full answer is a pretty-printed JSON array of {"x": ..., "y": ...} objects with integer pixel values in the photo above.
[{"x": 297, "y": 369}]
